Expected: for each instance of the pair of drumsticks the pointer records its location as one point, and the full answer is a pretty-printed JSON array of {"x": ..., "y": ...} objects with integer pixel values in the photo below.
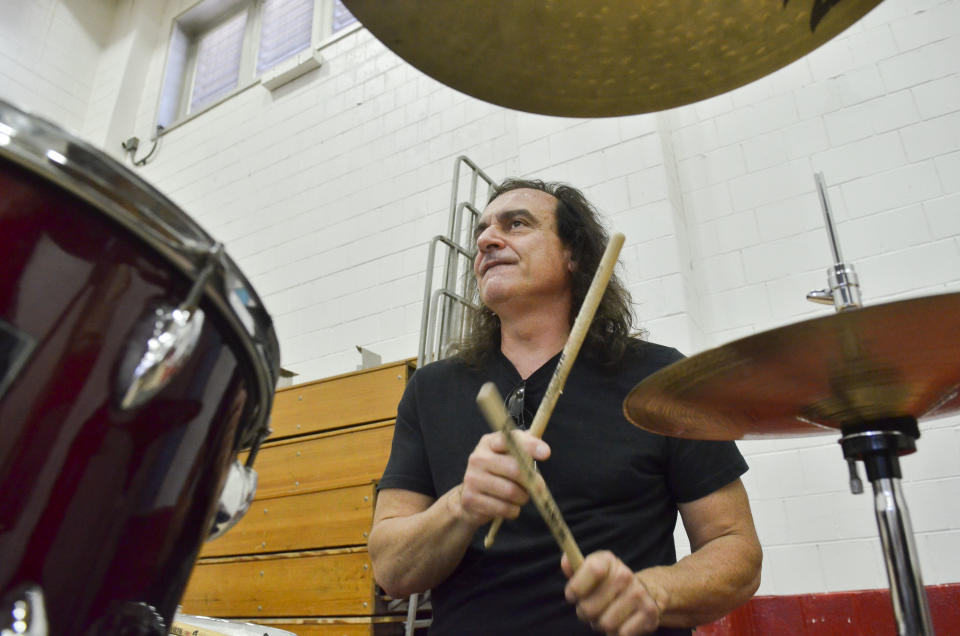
[{"x": 491, "y": 405}]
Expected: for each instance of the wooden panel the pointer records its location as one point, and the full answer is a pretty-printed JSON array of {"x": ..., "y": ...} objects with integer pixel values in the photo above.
[
  {"x": 339, "y": 582},
  {"x": 330, "y": 460},
  {"x": 324, "y": 519},
  {"x": 354, "y": 398}
]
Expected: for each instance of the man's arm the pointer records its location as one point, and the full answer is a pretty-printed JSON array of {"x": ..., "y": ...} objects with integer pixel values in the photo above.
[
  {"x": 722, "y": 572},
  {"x": 416, "y": 541},
  {"x": 723, "y": 569}
]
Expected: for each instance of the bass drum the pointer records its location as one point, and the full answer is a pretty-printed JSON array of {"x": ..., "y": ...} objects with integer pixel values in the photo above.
[{"x": 136, "y": 361}]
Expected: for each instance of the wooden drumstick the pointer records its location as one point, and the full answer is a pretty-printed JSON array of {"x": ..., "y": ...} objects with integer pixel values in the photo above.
[
  {"x": 491, "y": 405},
  {"x": 570, "y": 350}
]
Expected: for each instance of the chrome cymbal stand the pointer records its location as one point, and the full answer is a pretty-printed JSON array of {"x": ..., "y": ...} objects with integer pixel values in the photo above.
[
  {"x": 843, "y": 290},
  {"x": 879, "y": 444}
]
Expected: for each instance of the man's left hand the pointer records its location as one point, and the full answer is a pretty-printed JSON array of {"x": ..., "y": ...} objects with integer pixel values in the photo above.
[{"x": 610, "y": 597}]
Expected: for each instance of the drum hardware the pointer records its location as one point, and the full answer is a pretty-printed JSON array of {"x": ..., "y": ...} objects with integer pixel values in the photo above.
[
  {"x": 138, "y": 488},
  {"x": 175, "y": 334},
  {"x": 843, "y": 292},
  {"x": 878, "y": 444},
  {"x": 843, "y": 286},
  {"x": 879, "y": 449},
  {"x": 235, "y": 498},
  {"x": 238, "y": 491},
  {"x": 15, "y": 348},
  {"x": 85, "y": 172},
  {"x": 870, "y": 372},
  {"x": 129, "y": 618},
  {"x": 576, "y": 59},
  {"x": 24, "y": 613}
]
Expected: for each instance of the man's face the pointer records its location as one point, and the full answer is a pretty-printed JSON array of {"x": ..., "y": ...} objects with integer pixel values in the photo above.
[{"x": 520, "y": 258}]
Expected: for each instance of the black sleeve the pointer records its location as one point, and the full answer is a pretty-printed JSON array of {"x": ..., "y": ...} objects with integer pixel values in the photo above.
[
  {"x": 697, "y": 468},
  {"x": 408, "y": 467}
]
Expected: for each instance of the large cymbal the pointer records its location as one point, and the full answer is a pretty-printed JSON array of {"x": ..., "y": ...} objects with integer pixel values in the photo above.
[
  {"x": 884, "y": 361},
  {"x": 588, "y": 58}
]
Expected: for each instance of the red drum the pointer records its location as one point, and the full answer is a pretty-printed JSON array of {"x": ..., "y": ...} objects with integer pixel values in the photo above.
[{"x": 135, "y": 362}]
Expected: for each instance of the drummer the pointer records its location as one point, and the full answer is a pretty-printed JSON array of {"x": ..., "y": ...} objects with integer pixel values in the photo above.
[{"x": 620, "y": 488}]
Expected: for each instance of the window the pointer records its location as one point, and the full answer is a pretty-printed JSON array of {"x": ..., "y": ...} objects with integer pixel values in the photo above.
[{"x": 220, "y": 46}]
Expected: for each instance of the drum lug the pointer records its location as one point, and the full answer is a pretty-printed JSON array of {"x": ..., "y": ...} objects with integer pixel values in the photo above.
[
  {"x": 24, "y": 613},
  {"x": 235, "y": 498},
  {"x": 174, "y": 334}
]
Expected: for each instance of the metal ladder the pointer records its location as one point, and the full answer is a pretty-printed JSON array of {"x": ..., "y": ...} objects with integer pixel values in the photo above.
[{"x": 447, "y": 306}]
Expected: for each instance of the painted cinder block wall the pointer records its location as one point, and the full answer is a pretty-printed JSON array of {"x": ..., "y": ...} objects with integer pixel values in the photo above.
[{"x": 327, "y": 190}]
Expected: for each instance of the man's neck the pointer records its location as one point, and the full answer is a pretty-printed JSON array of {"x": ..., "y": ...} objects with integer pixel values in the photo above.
[{"x": 531, "y": 340}]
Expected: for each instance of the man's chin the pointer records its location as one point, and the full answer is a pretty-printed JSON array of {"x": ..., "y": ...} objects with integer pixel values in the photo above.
[{"x": 494, "y": 292}]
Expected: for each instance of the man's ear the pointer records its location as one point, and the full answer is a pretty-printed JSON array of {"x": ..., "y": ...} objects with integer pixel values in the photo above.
[{"x": 571, "y": 265}]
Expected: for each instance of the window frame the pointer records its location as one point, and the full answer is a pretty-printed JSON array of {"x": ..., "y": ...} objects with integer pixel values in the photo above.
[
  {"x": 191, "y": 62},
  {"x": 205, "y": 15}
]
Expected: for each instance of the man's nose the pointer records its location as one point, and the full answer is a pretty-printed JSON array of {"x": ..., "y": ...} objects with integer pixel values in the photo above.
[{"x": 489, "y": 238}]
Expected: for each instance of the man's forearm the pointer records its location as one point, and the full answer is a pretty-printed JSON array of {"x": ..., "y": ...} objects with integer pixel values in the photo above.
[
  {"x": 414, "y": 553},
  {"x": 707, "y": 584}
]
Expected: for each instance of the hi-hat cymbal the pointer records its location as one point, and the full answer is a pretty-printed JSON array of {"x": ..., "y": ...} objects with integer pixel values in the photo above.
[
  {"x": 881, "y": 362},
  {"x": 598, "y": 59}
]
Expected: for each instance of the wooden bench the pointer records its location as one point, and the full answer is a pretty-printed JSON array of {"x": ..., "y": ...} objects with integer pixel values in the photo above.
[{"x": 298, "y": 559}]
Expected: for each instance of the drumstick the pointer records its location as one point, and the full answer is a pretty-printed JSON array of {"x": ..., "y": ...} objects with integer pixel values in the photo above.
[
  {"x": 491, "y": 405},
  {"x": 570, "y": 350}
]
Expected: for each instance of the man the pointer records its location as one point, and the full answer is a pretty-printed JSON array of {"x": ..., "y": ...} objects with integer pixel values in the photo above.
[{"x": 619, "y": 488}]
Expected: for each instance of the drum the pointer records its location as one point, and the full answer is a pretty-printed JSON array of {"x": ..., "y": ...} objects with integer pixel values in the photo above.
[{"x": 136, "y": 361}]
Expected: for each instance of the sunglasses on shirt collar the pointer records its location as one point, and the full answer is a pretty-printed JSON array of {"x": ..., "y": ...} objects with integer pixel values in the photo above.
[{"x": 515, "y": 405}]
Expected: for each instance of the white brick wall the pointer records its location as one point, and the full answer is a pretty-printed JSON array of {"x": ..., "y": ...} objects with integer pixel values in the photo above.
[
  {"x": 327, "y": 190},
  {"x": 48, "y": 56}
]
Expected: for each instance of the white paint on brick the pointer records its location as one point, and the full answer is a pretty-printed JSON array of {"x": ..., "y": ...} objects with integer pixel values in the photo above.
[
  {"x": 936, "y": 456},
  {"x": 938, "y": 97},
  {"x": 772, "y": 184},
  {"x": 939, "y": 559},
  {"x": 851, "y": 565},
  {"x": 943, "y": 215},
  {"x": 929, "y": 503},
  {"x": 793, "y": 569},
  {"x": 854, "y": 514},
  {"x": 708, "y": 203},
  {"x": 770, "y": 518},
  {"x": 948, "y": 171}
]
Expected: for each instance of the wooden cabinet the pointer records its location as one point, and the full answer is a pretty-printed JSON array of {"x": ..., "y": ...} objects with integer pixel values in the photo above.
[
  {"x": 298, "y": 559},
  {"x": 345, "y": 457},
  {"x": 291, "y": 584},
  {"x": 340, "y": 516}
]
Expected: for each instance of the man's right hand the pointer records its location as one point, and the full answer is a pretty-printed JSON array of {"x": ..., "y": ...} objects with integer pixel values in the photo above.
[{"x": 491, "y": 484}]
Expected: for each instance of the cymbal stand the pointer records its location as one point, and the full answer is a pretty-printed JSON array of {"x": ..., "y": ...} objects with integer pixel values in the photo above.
[
  {"x": 879, "y": 444},
  {"x": 843, "y": 291},
  {"x": 844, "y": 286}
]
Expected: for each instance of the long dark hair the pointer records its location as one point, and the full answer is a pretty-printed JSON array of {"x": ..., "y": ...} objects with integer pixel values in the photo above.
[{"x": 580, "y": 230}]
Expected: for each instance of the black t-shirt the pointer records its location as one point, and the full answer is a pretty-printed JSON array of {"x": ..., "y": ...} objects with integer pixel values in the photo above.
[{"x": 616, "y": 485}]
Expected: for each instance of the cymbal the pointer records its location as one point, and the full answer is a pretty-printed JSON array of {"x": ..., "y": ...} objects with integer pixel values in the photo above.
[
  {"x": 885, "y": 361},
  {"x": 600, "y": 59}
]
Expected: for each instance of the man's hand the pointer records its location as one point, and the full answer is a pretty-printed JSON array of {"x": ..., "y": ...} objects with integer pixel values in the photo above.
[
  {"x": 610, "y": 597},
  {"x": 491, "y": 484}
]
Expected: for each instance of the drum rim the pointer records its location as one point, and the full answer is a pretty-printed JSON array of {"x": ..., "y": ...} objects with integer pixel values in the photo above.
[{"x": 86, "y": 171}]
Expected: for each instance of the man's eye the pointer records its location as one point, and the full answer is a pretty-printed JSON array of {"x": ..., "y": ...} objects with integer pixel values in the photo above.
[{"x": 517, "y": 223}]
